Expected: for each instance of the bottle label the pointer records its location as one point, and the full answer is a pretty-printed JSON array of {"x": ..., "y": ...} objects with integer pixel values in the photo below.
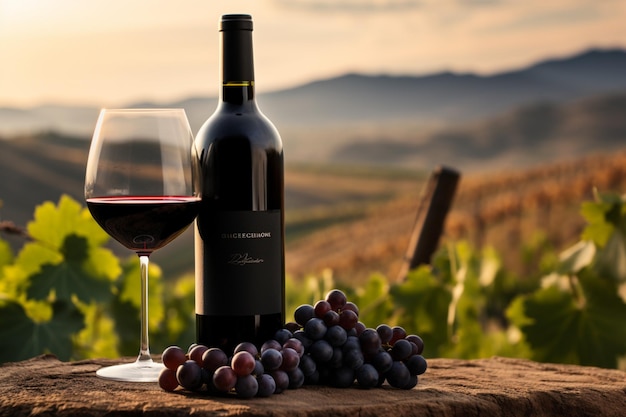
[{"x": 239, "y": 263}]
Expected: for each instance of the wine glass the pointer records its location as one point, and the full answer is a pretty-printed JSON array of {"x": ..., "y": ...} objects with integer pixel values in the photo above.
[{"x": 141, "y": 186}]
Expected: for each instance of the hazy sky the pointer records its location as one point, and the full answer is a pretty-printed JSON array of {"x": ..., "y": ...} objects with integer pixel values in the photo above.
[{"x": 111, "y": 52}]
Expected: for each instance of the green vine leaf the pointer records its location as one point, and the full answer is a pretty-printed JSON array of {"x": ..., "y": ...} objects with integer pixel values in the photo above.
[{"x": 22, "y": 338}]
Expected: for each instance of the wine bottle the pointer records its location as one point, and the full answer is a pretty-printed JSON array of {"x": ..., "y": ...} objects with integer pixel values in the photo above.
[{"x": 239, "y": 234}]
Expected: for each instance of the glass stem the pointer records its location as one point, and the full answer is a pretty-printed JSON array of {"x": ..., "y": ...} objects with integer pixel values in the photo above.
[{"x": 144, "y": 351}]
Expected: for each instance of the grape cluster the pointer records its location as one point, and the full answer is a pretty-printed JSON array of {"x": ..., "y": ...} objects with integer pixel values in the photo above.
[{"x": 326, "y": 344}]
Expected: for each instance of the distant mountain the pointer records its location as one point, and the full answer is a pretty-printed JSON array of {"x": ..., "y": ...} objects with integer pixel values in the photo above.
[{"x": 323, "y": 120}]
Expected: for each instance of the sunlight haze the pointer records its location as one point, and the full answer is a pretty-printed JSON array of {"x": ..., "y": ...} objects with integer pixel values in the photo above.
[{"x": 114, "y": 52}]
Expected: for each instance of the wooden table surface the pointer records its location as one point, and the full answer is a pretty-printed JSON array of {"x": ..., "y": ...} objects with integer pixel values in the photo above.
[{"x": 45, "y": 386}]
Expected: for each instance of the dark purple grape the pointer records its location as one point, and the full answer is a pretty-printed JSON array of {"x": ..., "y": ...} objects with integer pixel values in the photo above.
[
  {"x": 168, "y": 380},
  {"x": 246, "y": 347},
  {"x": 418, "y": 342},
  {"x": 353, "y": 358},
  {"x": 385, "y": 333},
  {"x": 259, "y": 369},
  {"x": 195, "y": 354},
  {"x": 295, "y": 344},
  {"x": 267, "y": 385},
  {"x": 224, "y": 379},
  {"x": 382, "y": 361},
  {"x": 321, "y": 308},
  {"x": 359, "y": 327},
  {"x": 351, "y": 306},
  {"x": 313, "y": 378},
  {"x": 331, "y": 318},
  {"x": 412, "y": 382},
  {"x": 337, "y": 359},
  {"x": 292, "y": 326},
  {"x": 321, "y": 351},
  {"x": 281, "y": 379},
  {"x": 367, "y": 376},
  {"x": 308, "y": 366},
  {"x": 304, "y": 313},
  {"x": 271, "y": 344},
  {"x": 416, "y": 364},
  {"x": 296, "y": 378},
  {"x": 246, "y": 386},
  {"x": 351, "y": 343},
  {"x": 401, "y": 350},
  {"x": 271, "y": 359},
  {"x": 398, "y": 376},
  {"x": 282, "y": 335},
  {"x": 370, "y": 342},
  {"x": 243, "y": 363},
  {"x": 291, "y": 359},
  {"x": 303, "y": 338},
  {"x": 336, "y": 336},
  {"x": 173, "y": 357},
  {"x": 189, "y": 375},
  {"x": 315, "y": 329},
  {"x": 337, "y": 299},
  {"x": 213, "y": 359},
  {"x": 348, "y": 319},
  {"x": 398, "y": 333}
]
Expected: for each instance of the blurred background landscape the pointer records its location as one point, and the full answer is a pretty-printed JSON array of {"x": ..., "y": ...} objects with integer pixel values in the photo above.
[{"x": 527, "y": 100}]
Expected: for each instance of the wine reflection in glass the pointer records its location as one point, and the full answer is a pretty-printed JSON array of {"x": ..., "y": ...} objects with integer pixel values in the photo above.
[{"x": 141, "y": 186}]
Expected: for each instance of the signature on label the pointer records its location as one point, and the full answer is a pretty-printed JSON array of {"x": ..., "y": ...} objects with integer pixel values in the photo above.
[{"x": 243, "y": 259}]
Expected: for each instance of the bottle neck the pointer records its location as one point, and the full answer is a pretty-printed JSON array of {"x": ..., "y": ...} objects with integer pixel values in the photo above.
[{"x": 237, "y": 66}]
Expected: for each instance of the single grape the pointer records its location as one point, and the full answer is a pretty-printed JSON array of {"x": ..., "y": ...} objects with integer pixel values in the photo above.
[
  {"x": 385, "y": 333},
  {"x": 359, "y": 327},
  {"x": 303, "y": 338},
  {"x": 281, "y": 379},
  {"x": 353, "y": 358},
  {"x": 243, "y": 363},
  {"x": 213, "y": 359},
  {"x": 382, "y": 361},
  {"x": 296, "y": 378},
  {"x": 271, "y": 359},
  {"x": 195, "y": 354},
  {"x": 173, "y": 357},
  {"x": 246, "y": 347},
  {"x": 321, "y": 351},
  {"x": 224, "y": 379},
  {"x": 304, "y": 313},
  {"x": 294, "y": 344},
  {"x": 398, "y": 376},
  {"x": 331, "y": 318},
  {"x": 418, "y": 342},
  {"x": 367, "y": 376},
  {"x": 259, "y": 369},
  {"x": 337, "y": 359},
  {"x": 292, "y": 326},
  {"x": 412, "y": 382},
  {"x": 337, "y": 299},
  {"x": 398, "y": 333},
  {"x": 246, "y": 386},
  {"x": 308, "y": 366},
  {"x": 282, "y": 335},
  {"x": 189, "y": 375},
  {"x": 351, "y": 343},
  {"x": 266, "y": 384},
  {"x": 416, "y": 364},
  {"x": 291, "y": 359},
  {"x": 348, "y": 319},
  {"x": 271, "y": 344},
  {"x": 167, "y": 379},
  {"x": 336, "y": 336},
  {"x": 351, "y": 306},
  {"x": 370, "y": 342},
  {"x": 401, "y": 350},
  {"x": 315, "y": 329},
  {"x": 321, "y": 307}
]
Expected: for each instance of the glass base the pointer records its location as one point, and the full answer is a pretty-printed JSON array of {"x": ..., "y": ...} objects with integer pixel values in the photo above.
[{"x": 138, "y": 371}]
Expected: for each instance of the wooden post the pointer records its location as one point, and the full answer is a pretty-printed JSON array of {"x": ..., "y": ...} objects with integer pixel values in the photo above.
[{"x": 434, "y": 205}]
